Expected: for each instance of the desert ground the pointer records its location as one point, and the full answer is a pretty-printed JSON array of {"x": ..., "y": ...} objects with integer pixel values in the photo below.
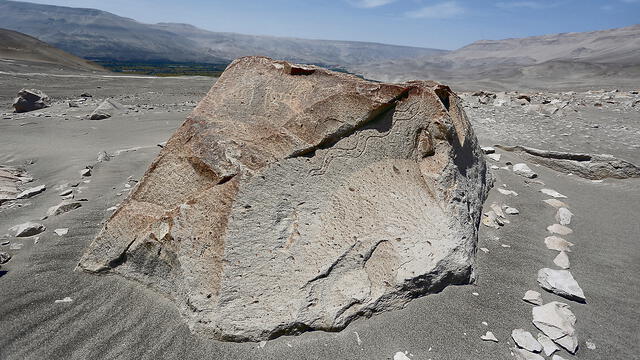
[{"x": 108, "y": 317}]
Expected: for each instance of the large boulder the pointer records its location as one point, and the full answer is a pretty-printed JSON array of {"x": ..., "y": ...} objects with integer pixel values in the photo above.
[
  {"x": 107, "y": 109},
  {"x": 296, "y": 198},
  {"x": 30, "y": 100}
]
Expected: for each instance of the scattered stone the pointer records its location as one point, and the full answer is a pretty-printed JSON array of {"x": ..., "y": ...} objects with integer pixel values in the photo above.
[
  {"x": 65, "y": 300},
  {"x": 555, "y": 203},
  {"x": 511, "y": 211},
  {"x": 522, "y": 354},
  {"x": 401, "y": 356},
  {"x": 533, "y": 297},
  {"x": 103, "y": 156},
  {"x": 557, "y": 322},
  {"x": 490, "y": 219},
  {"x": 107, "y": 109},
  {"x": 590, "y": 345},
  {"x": 63, "y": 207},
  {"x": 66, "y": 192},
  {"x": 262, "y": 344},
  {"x": 489, "y": 337},
  {"x": 306, "y": 236},
  {"x": 86, "y": 95},
  {"x": 28, "y": 229},
  {"x": 563, "y": 216},
  {"x": 548, "y": 346},
  {"x": 557, "y": 243},
  {"x": 553, "y": 193},
  {"x": 494, "y": 157},
  {"x": 560, "y": 282},
  {"x": 30, "y": 100},
  {"x": 507, "y": 192},
  {"x": 85, "y": 172},
  {"x": 488, "y": 150},
  {"x": 562, "y": 260},
  {"x": 61, "y": 232},
  {"x": 4, "y": 257},
  {"x": 73, "y": 104},
  {"x": 559, "y": 229},
  {"x": 524, "y": 171},
  {"x": 485, "y": 250},
  {"x": 498, "y": 210},
  {"x": 505, "y": 246},
  {"x": 557, "y": 357},
  {"x": 525, "y": 340},
  {"x": 31, "y": 192}
]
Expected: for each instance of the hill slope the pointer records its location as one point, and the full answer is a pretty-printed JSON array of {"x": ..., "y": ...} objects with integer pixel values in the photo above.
[
  {"x": 15, "y": 46},
  {"x": 91, "y": 33}
]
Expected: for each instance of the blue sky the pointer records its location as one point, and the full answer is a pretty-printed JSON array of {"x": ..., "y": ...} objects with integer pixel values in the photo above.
[{"x": 445, "y": 24}]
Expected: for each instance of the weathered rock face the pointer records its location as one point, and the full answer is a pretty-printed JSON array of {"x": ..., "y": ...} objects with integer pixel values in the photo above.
[
  {"x": 296, "y": 198},
  {"x": 29, "y": 100}
]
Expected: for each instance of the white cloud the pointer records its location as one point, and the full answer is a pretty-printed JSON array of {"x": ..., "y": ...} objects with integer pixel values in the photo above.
[
  {"x": 443, "y": 10},
  {"x": 367, "y": 4}
]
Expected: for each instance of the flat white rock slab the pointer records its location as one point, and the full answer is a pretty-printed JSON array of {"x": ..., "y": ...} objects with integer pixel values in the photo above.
[
  {"x": 525, "y": 340},
  {"x": 557, "y": 322},
  {"x": 562, "y": 283},
  {"x": 553, "y": 193},
  {"x": 557, "y": 243}
]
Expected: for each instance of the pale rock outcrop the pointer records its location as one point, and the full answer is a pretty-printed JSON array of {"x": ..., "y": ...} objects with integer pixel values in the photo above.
[
  {"x": 63, "y": 207},
  {"x": 533, "y": 297},
  {"x": 296, "y": 198},
  {"x": 557, "y": 322},
  {"x": 559, "y": 229},
  {"x": 28, "y": 229},
  {"x": 563, "y": 216},
  {"x": 562, "y": 260},
  {"x": 560, "y": 282},
  {"x": 524, "y": 171},
  {"x": 525, "y": 340},
  {"x": 11, "y": 180},
  {"x": 30, "y": 100},
  {"x": 107, "y": 109},
  {"x": 548, "y": 346},
  {"x": 557, "y": 243}
]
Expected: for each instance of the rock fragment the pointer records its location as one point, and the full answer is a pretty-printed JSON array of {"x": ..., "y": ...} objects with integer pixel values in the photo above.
[
  {"x": 63, "y": 207},
  {"x": 557, "y": 357},
  {"x": 31, "y": 192},
  {"x": 61, "y": 232},
  {"x": 103, "y": 156},
  {"x": 548, "y": 346},
  {"x": 401, "y": 356},
  {"x": 555, "y": 203},
  {"x": 107, "y": 109},
  {"x": 563, "y": 216},
  {"x": 525, "y": 340},
  {"x": 562, "y": 260},
  {"x": 4, "y": 257},
  {"x": 511, "y": 211},
  {"x": 560, "y": 282},
  {"x": 489, "y": 337},
  {"x": 557, "y": 322},
  {"x": 557, "y": 243},
  {"x": 86, "y": 172},
  {"x": 488, "y": 150},
  {"x": 522, "y": 354},
  {"x": 30, "y": 100},
  {"x": 533, "y": 297},
  {"x": 494, "y": 157},
  {"x": 559, "y": 229},
  {"x": 507, "y": 192},
  {"x": 63, "y": 301},
  {"x": 553, "y": 193},
  {"x": 28, "y": 229},
  {"x": 524, "y": 171}
]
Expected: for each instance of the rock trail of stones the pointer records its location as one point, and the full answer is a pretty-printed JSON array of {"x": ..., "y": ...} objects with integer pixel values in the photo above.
[{"x": 554, "y": 320}]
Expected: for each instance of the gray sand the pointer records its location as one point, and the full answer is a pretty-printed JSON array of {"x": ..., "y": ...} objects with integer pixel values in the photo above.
[{"x": 111, "y": 318}]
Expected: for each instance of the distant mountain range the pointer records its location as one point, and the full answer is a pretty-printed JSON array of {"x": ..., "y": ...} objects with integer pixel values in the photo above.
[
  {"x": 556, "y": 58},
  {"x": 570, "y": 59},
  {"x": 96, "y": 34}
]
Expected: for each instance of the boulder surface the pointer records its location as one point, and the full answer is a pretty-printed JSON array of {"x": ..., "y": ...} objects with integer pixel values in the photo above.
[
  {"x": 295, "y": 198},
  {"x": 30, "y": 100}
]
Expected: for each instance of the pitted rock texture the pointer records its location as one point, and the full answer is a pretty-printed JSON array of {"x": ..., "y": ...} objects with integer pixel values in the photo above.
[{"x": 295, "y": 198}]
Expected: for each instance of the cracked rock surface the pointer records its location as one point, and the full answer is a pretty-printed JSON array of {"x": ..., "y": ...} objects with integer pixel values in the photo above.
[{"x": 295, "y": 198}]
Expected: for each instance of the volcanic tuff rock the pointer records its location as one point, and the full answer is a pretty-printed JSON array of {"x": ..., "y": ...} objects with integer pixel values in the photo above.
[{"x": 296, "y": 198}]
